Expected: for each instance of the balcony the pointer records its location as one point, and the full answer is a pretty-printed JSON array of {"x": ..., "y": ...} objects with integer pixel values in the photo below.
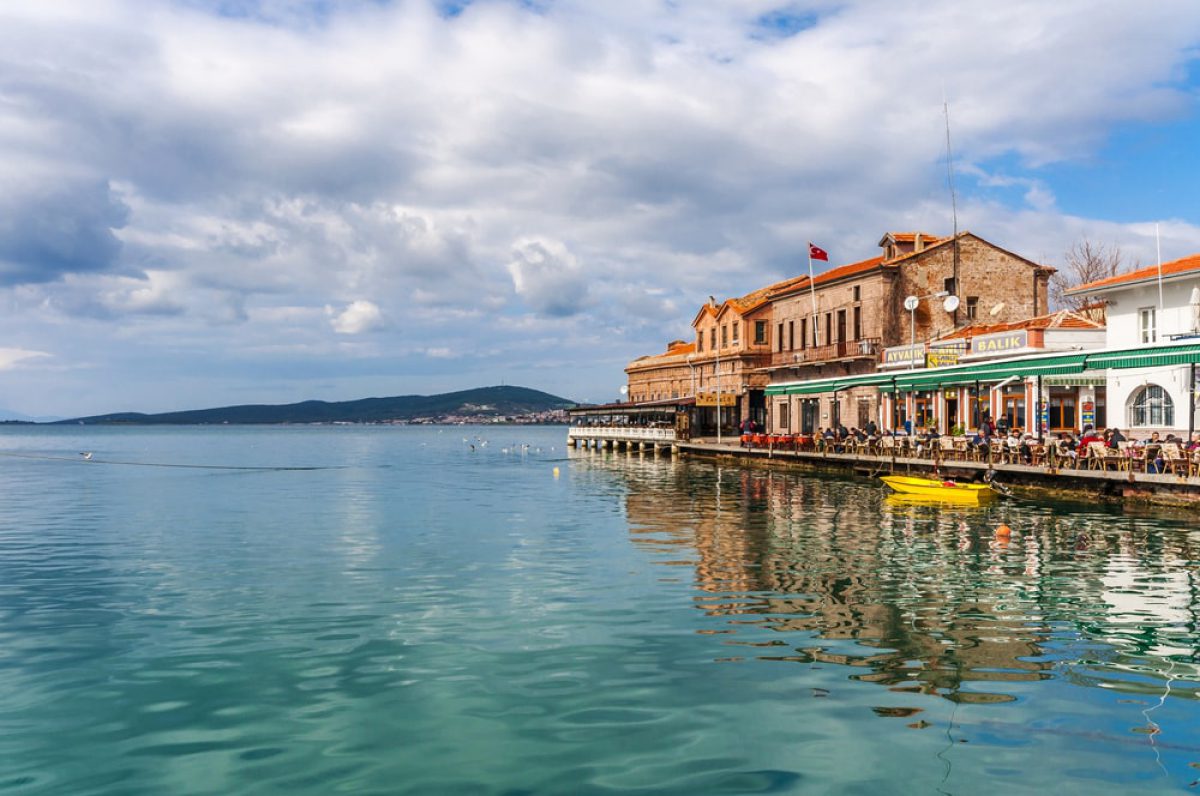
[{"x": 866, "y": 348}]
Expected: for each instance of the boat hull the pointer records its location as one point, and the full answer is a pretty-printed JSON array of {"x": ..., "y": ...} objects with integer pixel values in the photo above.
[{"x": 931, "y": 489}]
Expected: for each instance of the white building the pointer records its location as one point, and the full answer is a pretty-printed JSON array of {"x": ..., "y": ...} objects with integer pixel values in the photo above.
[{"x": 1148, "y": 308}]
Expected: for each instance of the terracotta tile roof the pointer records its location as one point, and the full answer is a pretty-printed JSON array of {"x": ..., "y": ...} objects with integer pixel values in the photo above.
[
  {"x": 680, "y": 347},
  {"x": 1181, "y": 266},
  {"x": 790, "y": 286},
  {"x": 931, "y": 244},
  {"x": 1063, "y": 319}
]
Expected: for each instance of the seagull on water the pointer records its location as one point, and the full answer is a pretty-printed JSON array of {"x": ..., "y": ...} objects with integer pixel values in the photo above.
[{"x": 86, "y": 454}]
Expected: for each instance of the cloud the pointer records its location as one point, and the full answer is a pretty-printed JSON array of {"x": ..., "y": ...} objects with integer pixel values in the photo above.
[
  {"x": 360, "y": 316},
  {"x": 548, "y": 277},
  {"x": 12, "y": 358},
  {"x": 212, "y": 176},
  {"x": 47, "y": 231}
]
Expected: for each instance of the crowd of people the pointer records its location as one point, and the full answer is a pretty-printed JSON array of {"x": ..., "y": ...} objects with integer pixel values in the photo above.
[{"x": 1067, "y": 446}]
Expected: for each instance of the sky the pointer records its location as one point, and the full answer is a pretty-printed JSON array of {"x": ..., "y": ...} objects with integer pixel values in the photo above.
[{"x": 214, "y": 202}]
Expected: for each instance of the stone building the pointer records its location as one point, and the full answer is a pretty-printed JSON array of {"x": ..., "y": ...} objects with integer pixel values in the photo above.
[
  {"x": 659, "y": 377},
  {"x": 841, "y": 322}
]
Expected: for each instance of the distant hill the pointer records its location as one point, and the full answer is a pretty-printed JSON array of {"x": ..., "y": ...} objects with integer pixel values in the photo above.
[{"x": 481, "y": 403}]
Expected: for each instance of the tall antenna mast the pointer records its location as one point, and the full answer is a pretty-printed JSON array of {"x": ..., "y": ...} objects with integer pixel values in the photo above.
[{"x": 953, "y": 197}]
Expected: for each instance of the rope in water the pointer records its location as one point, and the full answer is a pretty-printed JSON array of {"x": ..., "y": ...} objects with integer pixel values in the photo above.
[{"x": 80, "y": 460}]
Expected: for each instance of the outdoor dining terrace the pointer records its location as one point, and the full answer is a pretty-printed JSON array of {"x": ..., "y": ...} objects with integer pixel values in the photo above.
[{"x": 1164, "y": 458}]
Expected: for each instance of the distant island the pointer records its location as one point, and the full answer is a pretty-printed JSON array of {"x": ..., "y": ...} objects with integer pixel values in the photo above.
[{"x": 503, "y": 404}]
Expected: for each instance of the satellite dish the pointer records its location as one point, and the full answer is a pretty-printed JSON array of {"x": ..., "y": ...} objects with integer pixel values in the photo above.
[
  {"x": 910, "y": 303},
  {"x": 950, "y": 304},
  {"x": 996, "y": 310}
]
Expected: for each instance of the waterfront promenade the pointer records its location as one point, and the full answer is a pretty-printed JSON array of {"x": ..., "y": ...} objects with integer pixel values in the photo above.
[{"x": 1112, "y": 479}]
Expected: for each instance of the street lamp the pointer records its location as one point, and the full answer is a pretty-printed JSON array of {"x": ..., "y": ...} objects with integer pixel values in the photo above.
[
  {"x": 950, "y": 304},
  {"x": 910, "y": 303}
]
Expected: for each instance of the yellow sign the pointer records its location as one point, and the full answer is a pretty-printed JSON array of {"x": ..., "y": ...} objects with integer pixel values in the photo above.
[
  {"x": 711, "y": 398},
  {"x": 940, "y": 359}
]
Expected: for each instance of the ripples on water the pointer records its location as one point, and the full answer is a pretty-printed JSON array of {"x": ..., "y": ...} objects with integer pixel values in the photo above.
[{"x": 418, "y": 617}]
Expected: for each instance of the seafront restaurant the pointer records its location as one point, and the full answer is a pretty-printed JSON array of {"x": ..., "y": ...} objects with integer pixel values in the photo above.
[
  {"x": 961, "y": 391},
  {"x": 1062, "y": 401},
  {"x": 663, "y": 420},
  {"x": 953, "y": 397}
]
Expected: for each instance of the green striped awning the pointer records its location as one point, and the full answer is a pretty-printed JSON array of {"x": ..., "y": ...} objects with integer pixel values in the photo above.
[
  {"x": 1155, "y": 357},
  {"x": 1077, "y": 368}
]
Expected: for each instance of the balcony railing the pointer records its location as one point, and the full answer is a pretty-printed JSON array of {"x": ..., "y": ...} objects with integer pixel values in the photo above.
[{"x": 866, "y": 348}]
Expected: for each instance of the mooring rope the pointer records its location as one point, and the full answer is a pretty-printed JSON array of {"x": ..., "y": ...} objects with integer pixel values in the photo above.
[{"x": 90, "y": 460}]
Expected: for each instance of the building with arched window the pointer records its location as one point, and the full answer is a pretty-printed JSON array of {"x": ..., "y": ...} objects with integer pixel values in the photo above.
[{"x": 1148, "y": 308}]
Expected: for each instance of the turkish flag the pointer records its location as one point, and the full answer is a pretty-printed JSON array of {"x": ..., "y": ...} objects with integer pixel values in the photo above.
[{"x": 817, "y": 253}]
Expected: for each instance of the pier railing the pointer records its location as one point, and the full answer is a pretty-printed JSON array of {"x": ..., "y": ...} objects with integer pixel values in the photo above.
[{"x": 622, "y": 433}]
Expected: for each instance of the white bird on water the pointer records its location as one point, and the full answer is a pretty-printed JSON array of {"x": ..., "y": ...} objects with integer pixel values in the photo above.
[{"x": 86, "y": 454}]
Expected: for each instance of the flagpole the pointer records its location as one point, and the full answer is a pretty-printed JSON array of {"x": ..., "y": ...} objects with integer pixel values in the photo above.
[
  {"x": 812, "y": 286},
  {"x": 1158, "y": 247}
]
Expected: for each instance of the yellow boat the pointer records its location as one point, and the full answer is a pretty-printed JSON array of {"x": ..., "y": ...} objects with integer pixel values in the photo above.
[{"x": 936, "y": 489}]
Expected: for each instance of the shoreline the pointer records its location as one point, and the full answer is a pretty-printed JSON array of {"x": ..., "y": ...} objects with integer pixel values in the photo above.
[{"x": 1117, "y": 486}]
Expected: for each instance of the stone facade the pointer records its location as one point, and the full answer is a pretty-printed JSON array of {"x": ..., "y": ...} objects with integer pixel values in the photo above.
[
  {"x": 860, "y": 311},
  {"x": 663, "y": 376}
]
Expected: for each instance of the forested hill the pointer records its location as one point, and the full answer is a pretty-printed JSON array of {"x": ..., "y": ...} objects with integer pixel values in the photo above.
[{"x": 482, "y": 403}]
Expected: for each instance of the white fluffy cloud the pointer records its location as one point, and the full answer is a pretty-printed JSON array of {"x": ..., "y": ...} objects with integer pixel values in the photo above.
[
  {"x": 506, "y": 175},
  {"x": 360, "y": 316}
]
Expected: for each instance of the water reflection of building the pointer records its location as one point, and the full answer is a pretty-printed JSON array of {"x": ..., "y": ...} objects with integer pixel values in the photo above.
[{"x": 920, "y": 598}]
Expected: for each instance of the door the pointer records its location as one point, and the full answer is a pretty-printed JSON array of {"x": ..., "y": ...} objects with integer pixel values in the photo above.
[{"x": 808, "y": 416}]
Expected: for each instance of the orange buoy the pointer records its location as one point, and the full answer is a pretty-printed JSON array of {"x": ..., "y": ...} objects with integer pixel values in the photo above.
[{"x": 1004, "y": 531}]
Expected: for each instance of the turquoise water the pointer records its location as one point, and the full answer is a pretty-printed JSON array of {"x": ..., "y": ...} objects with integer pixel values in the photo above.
[{"x": 414, "y": 616}]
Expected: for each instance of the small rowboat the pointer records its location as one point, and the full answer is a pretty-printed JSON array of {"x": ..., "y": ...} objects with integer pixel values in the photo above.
[{"x": 935, "y": 489}]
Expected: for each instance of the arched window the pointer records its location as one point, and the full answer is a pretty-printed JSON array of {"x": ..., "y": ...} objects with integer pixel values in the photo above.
[{"x": 1151, "y": 406}]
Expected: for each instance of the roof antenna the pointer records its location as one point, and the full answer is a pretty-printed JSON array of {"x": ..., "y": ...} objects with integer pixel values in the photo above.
[{"x": 953, "y": 196}]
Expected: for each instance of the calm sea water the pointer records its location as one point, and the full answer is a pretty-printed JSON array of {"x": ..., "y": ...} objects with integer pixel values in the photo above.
[{"x": 416, "y": 616}]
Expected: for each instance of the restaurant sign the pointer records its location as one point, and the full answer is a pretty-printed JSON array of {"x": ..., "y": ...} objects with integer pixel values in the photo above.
[
  {"x": 941, "y": 357},
  {"x": 715, "y": 399},
  {"x": 904, "y": 354},
  {"x": 999, "y": 343}
]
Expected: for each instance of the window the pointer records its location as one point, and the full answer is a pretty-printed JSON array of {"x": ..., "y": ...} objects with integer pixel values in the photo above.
[
  {"x": 737, "y": 325},
  {"x": 857, "y": 323},
  {"x": 1061, "y": 410},
  {"x": 724, "y": 336},
  {"x": 803, "y": 333},
  {"x": 712, "y": 338},
  {"x": 858, "y": 292},
  {"x": 791, "y": 335},
  {"x": 760, "y": 332},
  {"x": 779, "y": 336},
  {"x": 1152, "y": 406},
  {"x": 828, "y": 328},
  {"x": 948, "y": 285},
  {"x": 782, "y": 424},
  {"x": 700, "y": 341},
  {"x": 1146, "y": 322},
  {"x": 972, "y": 307}
]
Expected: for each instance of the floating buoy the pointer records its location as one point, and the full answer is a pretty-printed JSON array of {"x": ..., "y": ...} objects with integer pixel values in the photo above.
[
  {"x": 1004, "y": 531},
  {"x": 556, "y": 472}
]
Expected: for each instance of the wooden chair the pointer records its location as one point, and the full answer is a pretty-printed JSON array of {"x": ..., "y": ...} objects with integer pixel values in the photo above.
[
  {"x": 947, "y": 451},
  {"x": 1037, "y": 452},
  {"x": 1100, "y": 457},
  {"x": 1174, "y": 460},
  {"x": 1131, "y": 455}
]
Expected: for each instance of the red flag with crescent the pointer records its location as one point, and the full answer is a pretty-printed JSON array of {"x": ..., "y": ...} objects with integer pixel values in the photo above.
[{"x": 817, "y": 253}]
